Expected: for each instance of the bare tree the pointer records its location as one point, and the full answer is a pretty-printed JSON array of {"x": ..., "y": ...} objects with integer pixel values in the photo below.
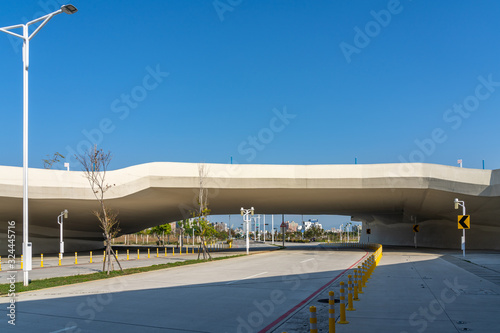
[
  {"x": 200, "y": 216},
  {"x": 95, "y": 164},
  {"x": 50, "y": 161}
]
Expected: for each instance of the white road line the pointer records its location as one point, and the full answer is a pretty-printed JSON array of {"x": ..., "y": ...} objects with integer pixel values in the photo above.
[
  {"x": 248, "y": 277},
  {"x": 64, "y": 329},
  {"x": 307, "y": 260}
]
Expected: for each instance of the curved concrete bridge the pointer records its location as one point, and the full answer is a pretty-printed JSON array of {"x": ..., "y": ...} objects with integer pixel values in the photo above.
[{"x": 385, "y": 197}]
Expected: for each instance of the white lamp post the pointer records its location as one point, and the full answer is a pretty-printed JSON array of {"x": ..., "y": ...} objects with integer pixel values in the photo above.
[
  {"x": 246, "y": 218},
  {"x": 457, "y": 204},
  {"x": 26, "y": 37},
  {"x": 60, "y": 218}
]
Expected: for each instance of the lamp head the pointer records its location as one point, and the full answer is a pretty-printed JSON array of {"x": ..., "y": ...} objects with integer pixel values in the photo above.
[
  {"x": 252, "y": 210},
  {"x": 242, "y": 211},
  {"x": 456, "y": 203},
  {"x": 69, "y": 9},
  {"x": 65, "y": 212}
]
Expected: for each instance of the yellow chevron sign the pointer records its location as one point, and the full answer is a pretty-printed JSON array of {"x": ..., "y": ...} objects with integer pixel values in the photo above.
[{"x": 463, "y": 221}]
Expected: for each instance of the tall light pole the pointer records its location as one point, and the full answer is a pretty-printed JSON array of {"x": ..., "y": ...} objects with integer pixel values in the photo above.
[
  {"x": 26, "y": 37},
  {"x": 60, "y": 218},
  {"x": 246, "y": 218},
  {"x": 347, "y": 230},
  {"x": 272, "y": 229},
  {"x": 457, "y": 204}
]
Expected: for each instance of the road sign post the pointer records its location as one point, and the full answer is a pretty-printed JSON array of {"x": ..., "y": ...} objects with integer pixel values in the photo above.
[
  {"x": 283, "y": 226},
  {"x": 463, "y": 222},
  {"x": 415, "y": 231}
]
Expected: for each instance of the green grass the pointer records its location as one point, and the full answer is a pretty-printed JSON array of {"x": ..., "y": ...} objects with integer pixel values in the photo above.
[{"x": 61, "y": 281}]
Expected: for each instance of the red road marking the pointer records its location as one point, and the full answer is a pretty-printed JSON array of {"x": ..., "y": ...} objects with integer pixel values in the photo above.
[{"x": 277, "y": 321}]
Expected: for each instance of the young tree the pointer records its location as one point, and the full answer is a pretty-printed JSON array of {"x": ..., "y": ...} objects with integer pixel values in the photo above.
[
  {"x": 205, "y": 229},
  {"x": 95, "y": 164},
  {"x": 160, "y": 230},
  {"x": 50, "y": 161}
]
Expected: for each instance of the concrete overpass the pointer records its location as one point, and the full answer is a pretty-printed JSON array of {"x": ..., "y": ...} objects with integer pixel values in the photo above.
[{"x": 383, "y": 196}]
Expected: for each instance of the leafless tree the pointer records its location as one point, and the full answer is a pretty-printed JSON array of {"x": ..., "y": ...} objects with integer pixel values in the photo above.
[
  {"x": 201, "y": 214},
  {"x": 95, "y": 165}
]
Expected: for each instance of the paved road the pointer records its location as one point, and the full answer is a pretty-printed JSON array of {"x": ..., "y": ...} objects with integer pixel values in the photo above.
[
  {"x": 68, "y": 268},
  {"x": 419, "y": 291},
  {"x": 243, "y": 294}
]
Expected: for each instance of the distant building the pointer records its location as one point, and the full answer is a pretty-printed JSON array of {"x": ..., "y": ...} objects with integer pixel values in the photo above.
[{"x": 293, "y": 226}]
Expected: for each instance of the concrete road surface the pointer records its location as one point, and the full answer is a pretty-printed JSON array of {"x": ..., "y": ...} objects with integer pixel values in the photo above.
[{"x": 244, "y": 294}]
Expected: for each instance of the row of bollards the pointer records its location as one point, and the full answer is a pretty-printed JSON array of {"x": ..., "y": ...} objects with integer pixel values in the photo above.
[
  {"x": 211, "y": 247},
  {"x": 355, "y": 285}
]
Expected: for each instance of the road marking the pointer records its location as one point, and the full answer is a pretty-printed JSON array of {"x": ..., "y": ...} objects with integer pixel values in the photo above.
[
  {"x": 306, "y": 260},
  {"x": 248, "y": 277},
  {"x": 64, "y": 329}
]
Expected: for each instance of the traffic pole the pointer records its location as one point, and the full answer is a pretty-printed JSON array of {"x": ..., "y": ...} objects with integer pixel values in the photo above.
[
  {"x": 350, "y": 306},
  {"x": 342, "y": 319},
  {"x": 356, "y": 288},
  {"x": 313, "y": 320},
  {"x": 331, "y": 313}
]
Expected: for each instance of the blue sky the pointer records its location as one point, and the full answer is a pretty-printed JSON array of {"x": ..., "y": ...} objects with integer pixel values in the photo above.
[{"x": 204, "y": 81}]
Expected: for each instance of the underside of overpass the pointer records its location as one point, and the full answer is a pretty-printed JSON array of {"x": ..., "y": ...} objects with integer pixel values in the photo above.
[{"x": 387, "y": 198}]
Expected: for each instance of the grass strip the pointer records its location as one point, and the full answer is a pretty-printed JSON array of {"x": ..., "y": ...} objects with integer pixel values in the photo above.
[{"x": 66, "y": 280}]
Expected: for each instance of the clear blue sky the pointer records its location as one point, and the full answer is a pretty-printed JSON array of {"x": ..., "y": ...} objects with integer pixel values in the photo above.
[{"x": 371, "y": 80}]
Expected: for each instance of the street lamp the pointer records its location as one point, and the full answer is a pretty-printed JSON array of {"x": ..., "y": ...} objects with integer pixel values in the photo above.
[
  {"x": 457, "y": 204},
  {"x": 26, "y": 37},
  {"x": 347, "y": 230},
  {"x": 60, "y": 218},
  {"x": 246, "y": 218}
]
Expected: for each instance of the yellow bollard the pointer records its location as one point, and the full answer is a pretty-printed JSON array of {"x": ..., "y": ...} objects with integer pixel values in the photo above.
[
  {"x": 356, "y": 288},
  {"x": 187, "y": 250},
  {"x": 342, "y": 319},
  {"x": 60, "y": 255},
  {"x": 128, "y": 254},
  {"x": 116, "y": 253},
  {"x": 331, "y": 313},
  {"x": 103, "y": 255},
  {"x": 165, "y": 252},
  {"x": 76, "y": 258},
  {"x": 90, "y": 257},
  {"x": 21, "y": 261},
  {"x": 0, "y": 263},
  {"x": 138, "y": 254},
  {"x": 313, "y": 320},
  {"x": 350, "y": 306},
  {"x": 173, "y": 251},
  {"x": 157, "y": 253},
  {"x": 180, "y": 250},
  {"x": 363, "y": 276},
  {"x": 148, "y": 254},
  {"x": 41, "y": 258},
  {"x": 193, "y": 250},
  {"x": 360, "y": 280}
]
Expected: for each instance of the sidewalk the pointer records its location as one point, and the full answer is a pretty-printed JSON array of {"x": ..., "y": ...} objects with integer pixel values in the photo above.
[
  {"x": 51, "y": 266},
  {"x": 413, "y": 291}
]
